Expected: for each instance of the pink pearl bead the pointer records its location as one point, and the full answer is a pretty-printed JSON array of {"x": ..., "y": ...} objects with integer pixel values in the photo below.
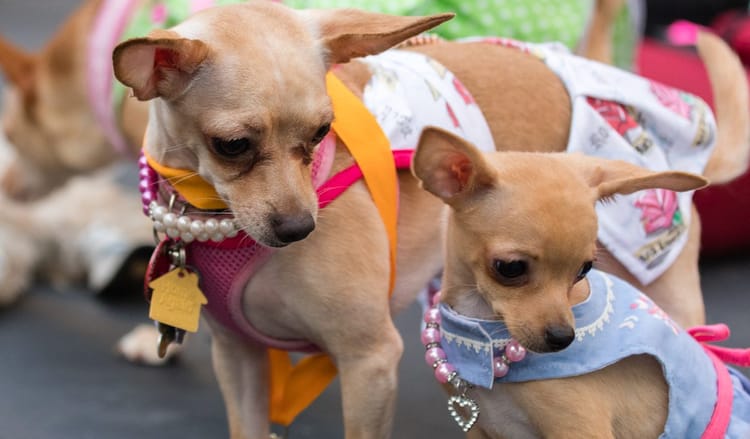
[
  {"x": 514, "y": 351},
  {"x": 147, "y": 197},
  {"x": 430, "y": 335},
  {"x": 443, "y": 372},
  {"x": 434, "y": 354},
  {"x": 499, "y": 367},
  {"x": 432, "y": 315},
  {"x": 142, "y": 160},
  {"x": 436, "y": 299}
]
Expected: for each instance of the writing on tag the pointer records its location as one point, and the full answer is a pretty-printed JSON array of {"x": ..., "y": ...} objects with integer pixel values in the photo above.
[{"x": 176, "y": 299}]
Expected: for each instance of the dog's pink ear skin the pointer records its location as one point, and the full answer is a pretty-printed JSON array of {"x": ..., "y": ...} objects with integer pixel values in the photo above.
[
  {"x": 352, "y": 33},
  {"x": 448, "y": 166},
  {"x": 158, "y": 67},
  {"x": 611, "y": 177}
]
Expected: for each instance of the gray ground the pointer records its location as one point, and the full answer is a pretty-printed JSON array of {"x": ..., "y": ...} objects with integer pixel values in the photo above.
[{"x": 59, "y": 378}]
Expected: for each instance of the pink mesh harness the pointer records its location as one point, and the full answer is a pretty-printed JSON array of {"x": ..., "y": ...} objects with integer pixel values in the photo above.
[{"x": 226, "y": 267}]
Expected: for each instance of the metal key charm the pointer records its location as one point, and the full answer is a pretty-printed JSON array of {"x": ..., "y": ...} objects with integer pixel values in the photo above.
[
  {"x": 167, "y": 335},
  {"x": 176, "y": 299}
]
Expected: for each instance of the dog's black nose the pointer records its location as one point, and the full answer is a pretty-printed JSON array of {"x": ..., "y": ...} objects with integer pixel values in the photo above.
[
  {"x": 559, "y": 337},
  {"x": 290, "y": 228}
]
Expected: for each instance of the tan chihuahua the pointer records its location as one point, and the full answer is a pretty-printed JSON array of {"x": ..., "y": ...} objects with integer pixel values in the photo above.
[
  {"x": 244, "y": 110},
  {"x": 47, "y": 114},
  {"x": 521, "y": 239}
]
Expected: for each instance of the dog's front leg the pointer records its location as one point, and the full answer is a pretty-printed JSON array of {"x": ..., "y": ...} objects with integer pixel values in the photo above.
[
  {"x": 369, "y": 381},
  {"x": 242, "y": 372},
  {"x": 476, "y": 433}
]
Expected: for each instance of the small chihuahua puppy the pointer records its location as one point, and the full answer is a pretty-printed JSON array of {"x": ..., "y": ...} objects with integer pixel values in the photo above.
[{"x": 520, "y": 242}]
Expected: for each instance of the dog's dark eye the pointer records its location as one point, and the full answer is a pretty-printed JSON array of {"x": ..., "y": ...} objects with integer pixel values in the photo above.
[
  {"x": 322, "y": 131},
  {"x": 585, "y": 268},
  {"x": 509, "y": 269},
  {"x": 230, "y": 148}
]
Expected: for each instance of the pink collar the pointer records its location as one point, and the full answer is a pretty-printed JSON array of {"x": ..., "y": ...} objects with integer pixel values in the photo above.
[{"x": 109, "y": 25}]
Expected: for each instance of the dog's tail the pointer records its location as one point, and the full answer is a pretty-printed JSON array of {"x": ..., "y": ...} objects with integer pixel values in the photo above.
[
  {"x": 729, "y": 84},
  {"x": 596, "y": 42}
]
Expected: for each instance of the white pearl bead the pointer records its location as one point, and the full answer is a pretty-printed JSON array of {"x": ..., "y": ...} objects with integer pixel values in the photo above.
[
  {"x": 196, "y": 228},
  {"x": 187, "y": 237},
  {"x": 159, "y": 212},
  {"x": 226, "y": 226},
  {"x": 203, "y": 237},
  {"x": 170, "y": 219},
  {"x": 152, "y": 207},
  {"x": 173, "y": 232},
  {"x": 159, "y": 227},
  {"x": 183, "y": 223},
  {"x": 217, "y": 237},
  {"x": 212, "y": 226}
]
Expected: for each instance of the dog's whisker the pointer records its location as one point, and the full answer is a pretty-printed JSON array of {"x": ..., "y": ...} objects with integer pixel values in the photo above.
[
  {"x": 245, "y": 237},
  {"x": 212, "y": 199},
  {"x": 175, "y": 181},
  {"x": 462, "y": 289},
  {"x": 177, "y": 147}
]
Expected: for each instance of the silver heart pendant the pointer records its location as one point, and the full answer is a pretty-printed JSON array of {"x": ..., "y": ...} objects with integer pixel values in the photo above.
[{"x": 461, "y": 401}]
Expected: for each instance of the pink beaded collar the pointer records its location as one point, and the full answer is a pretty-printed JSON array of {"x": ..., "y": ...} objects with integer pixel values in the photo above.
[{"x": 445, "y": 372}]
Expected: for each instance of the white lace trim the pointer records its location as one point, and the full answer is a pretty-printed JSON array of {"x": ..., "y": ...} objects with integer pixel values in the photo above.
[{"x": 598, "y": 324}]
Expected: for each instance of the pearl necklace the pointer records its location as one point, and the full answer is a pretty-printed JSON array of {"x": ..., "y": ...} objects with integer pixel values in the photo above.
[
  {"x": 445, "y": 372},
  {"x": 176, "y": 225}
]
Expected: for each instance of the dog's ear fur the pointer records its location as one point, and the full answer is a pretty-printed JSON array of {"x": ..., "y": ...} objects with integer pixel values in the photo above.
[
  {"x": 18, "y": 66},
  {"x": 352, "y": 33},
  {"x": 450, "y": 167},
  {"x": 611, "y": 177},
  {"x": 160, "y": 65}
]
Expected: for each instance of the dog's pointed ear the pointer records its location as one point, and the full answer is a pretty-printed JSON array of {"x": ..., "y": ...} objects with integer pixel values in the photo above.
[
  {"x": 160, "y": 65},
  {"x": 611, "y": 177},
  {"x": 449, "y": 167},
  {"x": 18, "y": 66},
  {"x": 352, "y": 33}
]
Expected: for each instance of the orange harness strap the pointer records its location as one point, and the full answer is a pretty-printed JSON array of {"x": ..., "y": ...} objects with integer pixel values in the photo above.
[
  {"x": 294, "y": 388},
  {"x": 369, "y": 146}
]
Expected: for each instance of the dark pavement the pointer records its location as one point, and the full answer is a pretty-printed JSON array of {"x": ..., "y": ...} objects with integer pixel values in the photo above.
[{"x": 60, "y": 378}]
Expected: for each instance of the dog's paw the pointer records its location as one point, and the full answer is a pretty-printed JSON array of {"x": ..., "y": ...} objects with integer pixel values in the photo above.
[
  {"x": 16, "y": 266},
  {"x": 139, "y": 346},
  {"x": 11, "y": 287}
]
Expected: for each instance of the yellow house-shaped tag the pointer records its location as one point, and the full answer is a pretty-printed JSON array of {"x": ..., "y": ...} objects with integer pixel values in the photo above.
[{"x": 177, "y": 300}]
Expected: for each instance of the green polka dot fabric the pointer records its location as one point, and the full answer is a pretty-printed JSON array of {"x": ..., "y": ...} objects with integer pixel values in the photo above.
[
  {"x": 532, "y": 20},
  {"x": 159, "y": 14}
]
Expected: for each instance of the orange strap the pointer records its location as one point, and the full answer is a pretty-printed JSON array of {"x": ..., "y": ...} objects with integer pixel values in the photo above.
[
  {"x": 369, "y": 146},
  {"x": 295, "y": 387}
]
